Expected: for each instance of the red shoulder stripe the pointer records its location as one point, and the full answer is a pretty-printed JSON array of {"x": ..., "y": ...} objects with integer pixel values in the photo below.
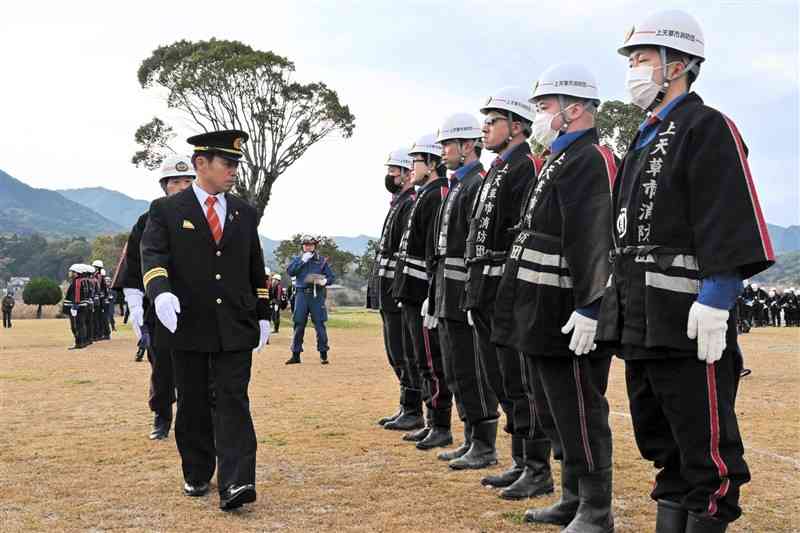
[
  {"x": 538, "y": 163},
  {"x": 611, "y": 163}
]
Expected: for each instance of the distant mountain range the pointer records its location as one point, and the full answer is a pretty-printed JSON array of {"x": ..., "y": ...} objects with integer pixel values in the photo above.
[
  {"x": 25, "y": 210},
  {"x": 113, "y": 205}
]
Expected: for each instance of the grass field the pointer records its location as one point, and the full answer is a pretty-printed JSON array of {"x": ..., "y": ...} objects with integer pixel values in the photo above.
[{"x": 74, "y": 453}]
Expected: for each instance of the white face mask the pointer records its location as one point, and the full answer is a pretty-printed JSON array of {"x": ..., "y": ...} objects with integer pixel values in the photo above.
[
  {"x": 542, "y": 130},
  {"x": 642, "y": 90}
]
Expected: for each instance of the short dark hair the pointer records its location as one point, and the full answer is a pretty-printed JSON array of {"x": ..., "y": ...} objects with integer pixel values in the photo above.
[
  {"x": 209, "y": 156},
  {"x": 682, "y": 57}
]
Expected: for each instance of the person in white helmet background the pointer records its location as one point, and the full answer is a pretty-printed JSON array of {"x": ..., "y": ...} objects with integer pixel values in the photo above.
[
  {"x": 313, "y": 274},
  {"x": 773, "y": 308},
  {"x": 76, "y": 304},
  {"x": 411, "y": 284},
  {"x": 398, "y": 345},
  {"x": 175, "y": 175},
  {"x": 460, "y": 136},
  {"x": 790, "y": 307},
  {"x": 550, "y": 293},
  {"x": 278, "y": 300},
  {"x": 102, "y": 330},
  {"x": 688, "y": 229},
  {"x": 8, "y": 308},
  {"x": 506, "y": 128}
]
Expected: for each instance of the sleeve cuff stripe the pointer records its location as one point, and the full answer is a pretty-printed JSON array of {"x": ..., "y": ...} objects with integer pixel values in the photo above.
[{"x": 152, "y": 274}]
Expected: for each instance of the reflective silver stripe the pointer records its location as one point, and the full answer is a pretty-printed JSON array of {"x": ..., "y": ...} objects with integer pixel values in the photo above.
[
  {"x": 455, "y": 275},
  {"x": 544, "y": 278},
  {"x": 415, "y": 273},
  {"x": 386, "y": 273},
  {"x": 412, "y": 261},
  {"x": 541, "y": 258},
  {"x": 489, "y": 270},
  {"x": 672, "y": 283},
  {"x": 455, "y": 261},
  {"x": 610, "y": 278},
  {"x": 689, "y": 262}
]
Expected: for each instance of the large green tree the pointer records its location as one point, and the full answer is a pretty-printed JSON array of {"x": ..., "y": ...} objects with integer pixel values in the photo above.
[
  {"x": 221, "y": 84},
  {"x": 617, "y": 123},
  {"x": 108, "y": 248},
  {"x": 341, "y": 261},
  {"x": 41, "y": 291},
  {"x": 35, "y": 256}
]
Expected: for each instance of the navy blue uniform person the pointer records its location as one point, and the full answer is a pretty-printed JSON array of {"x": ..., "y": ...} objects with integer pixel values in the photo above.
[
  {"x": 313, "y": 274},
  {"x": 203, "y": 269}
]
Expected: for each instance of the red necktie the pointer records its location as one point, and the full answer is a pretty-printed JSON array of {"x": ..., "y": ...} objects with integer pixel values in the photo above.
[
  {"x": 213, "y": 219},
  {"x": 498, "y": 161}
]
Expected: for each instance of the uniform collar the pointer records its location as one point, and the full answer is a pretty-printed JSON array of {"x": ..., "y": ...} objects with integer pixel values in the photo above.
[
  {"x": 508, "y": 152},
  {"x": 653, "y": 120},
  {"x": 564, "y": 140},
  {"x": 433, "y": 183},
  {"x": 202, "y": 195},
  {"x": 462, "y": 171}
]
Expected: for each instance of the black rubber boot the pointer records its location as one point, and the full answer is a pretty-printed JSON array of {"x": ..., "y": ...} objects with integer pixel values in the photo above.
[
  {"x": 670, "y": 517},
  {"x": 505, "y": 479},
  {"x": 482, "y": 453},
  {"x": 461, "y": 450},
  {"x": 294, "y": 359},
  {"x": 594, "y": 511},
  {"x": 696, "y": 523},
  {"x": 385, "y": 419},
  {"x": 411, "y": 400},
  {"x": 563, "y": 511},
  {"x": 161, "y": 426},
  {"x": 536, "y": 478},
  {"x": 420, "y": 434}
]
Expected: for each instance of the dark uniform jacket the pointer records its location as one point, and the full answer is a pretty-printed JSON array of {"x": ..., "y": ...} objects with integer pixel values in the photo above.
[
  {"x": 79, "y": 294},
  {"x": 685, "y": 208},
  {"x": 388, "y": 248},
  {"x": 8, "y": 303},
  {"x": 494, "y": 212},
  {"x": 129, "y": 273},
  {"x": 559, "y": 260},
  {"x": 221, "y": 287},
  {"x": 412, "y": 278},
  {"x": 450, "y": 233}
]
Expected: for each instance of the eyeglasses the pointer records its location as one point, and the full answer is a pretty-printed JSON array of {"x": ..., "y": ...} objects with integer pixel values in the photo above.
[
  {"x": 421, "y": 161},
  {"x": 489, "y": 121}
]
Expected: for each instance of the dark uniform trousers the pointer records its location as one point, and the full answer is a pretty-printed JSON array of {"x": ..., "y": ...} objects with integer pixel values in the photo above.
[
  {"x": 6, "y": 318},
  {"x": 424, "y": 345},
  {"x": 684, "y": 421},
  {"x": 162, "y": 381},
  {"x": 396, "y": 340},
  {"x": 224, "y": 435},
  {"x": 504, "y": 370},
  {"x": 569, "y": 395},
  {"x": 465, "y": 373}
]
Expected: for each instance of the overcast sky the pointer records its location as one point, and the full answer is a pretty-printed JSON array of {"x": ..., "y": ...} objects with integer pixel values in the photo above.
[{"x": 71, "y": 101}]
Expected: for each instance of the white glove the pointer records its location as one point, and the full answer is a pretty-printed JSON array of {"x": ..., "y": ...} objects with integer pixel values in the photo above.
[
  {"x": 322, "y": 282},
  {"x": 469, "y": 318},
  {"x": 423, "y": 312},
  {"x": 167, "y": 310},
  {"x": 307, "y": 256},
  {"x": 73, "y": 312},
  {"x": 134, "y": 298},
  {"x": 399, "y": 305},
  {"x": 708, "y": 325},
  {"x": 583, "y": 332},
  {"x": 263, "y": 332}
]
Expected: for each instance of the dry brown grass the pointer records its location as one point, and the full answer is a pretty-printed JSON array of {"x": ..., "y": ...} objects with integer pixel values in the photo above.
[{"x": 74, "y": 454}]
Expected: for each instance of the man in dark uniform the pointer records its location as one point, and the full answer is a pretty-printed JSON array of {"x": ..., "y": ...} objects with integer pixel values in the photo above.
[
  {"x": 549, "y": 295},
  {"x": 102, "y": 330},
  {"x": 398, "y": 346},
  {"x": 688, "y": 230},
  {"x": 313, "y": 273},
  {"x": 278, "y": 301},
  {"x": 176, "y": 175},
  {"x": 8, "y": 307},
  {"x": 203, "y": 269},
  {"x": 494, "y": 213},
  {"x": 411, "y": 283},
  {"x": 76, "y": 304},
  {"x": 476, "y": 402}
]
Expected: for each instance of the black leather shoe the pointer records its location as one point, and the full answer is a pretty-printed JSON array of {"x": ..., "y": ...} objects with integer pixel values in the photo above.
[
  {"x": 383, "y": 421},
  {"x": 437, "y": 437},
  {"x": 236, "y": 495},
  {"x": 195, "y": 489},
  {"x": 294, "y": 359},
  {"x": 161, "y": 427},
  {"x": 406, "y": 422}
]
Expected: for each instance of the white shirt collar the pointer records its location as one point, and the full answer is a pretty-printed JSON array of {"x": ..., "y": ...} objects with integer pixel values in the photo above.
[{"x": 202, "y": 195}]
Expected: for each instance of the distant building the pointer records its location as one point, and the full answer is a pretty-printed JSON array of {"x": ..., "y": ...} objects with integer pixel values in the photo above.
[{"x": 16, "y": 285}]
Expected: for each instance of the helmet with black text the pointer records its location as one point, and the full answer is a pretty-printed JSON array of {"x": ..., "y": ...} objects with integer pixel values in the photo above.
[
  {"x": 430, "y": 153},
  {"x": 398, "y": 159},
  {"x": 513, "y": 104},
  {"x": 460, "y": 127}
]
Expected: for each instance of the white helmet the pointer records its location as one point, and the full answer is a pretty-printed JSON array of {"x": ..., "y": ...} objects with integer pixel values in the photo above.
[
  {"x": 76, "y": 267},
  {"x": 426, "y": 145},
  {"x": 513, "y": 99},
  {"x": 755, "y": 286},
  {"x": 277, "y": 276},
  {"x": 459, "y": 126},
  {"x": 176, "y": 166},
  {"x": 671, "y": 28},
  {"x": 86, "y": 269},
  {"x": 97, "y": 263},
  {"x": 566, "y": 79},
  {"x": 102, "y": 271},
  {"x": 399, "y": 158}
]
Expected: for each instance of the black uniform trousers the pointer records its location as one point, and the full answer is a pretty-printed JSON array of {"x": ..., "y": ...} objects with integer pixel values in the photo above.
[
  {"x": 464, "y": 372},
  {"x": 6, "y": 318},
  {"x": 684, "y": 421},
  {"x": 402, "y": 360},
  {"x": 225, "y": 437},
  {"x": 428, "y": 360},
  {"x": 504, "y": 370},
  {"x": 162, "y": 381},
  {"x": 569, "y": 395}
]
